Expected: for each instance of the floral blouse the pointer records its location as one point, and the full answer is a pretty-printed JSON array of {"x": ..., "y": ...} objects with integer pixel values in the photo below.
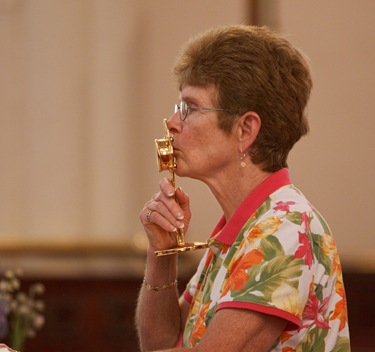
[{"x": 275, "y": 255}]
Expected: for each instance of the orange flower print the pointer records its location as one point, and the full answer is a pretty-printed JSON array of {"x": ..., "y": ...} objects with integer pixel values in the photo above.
[
  {"x": 311, "y": 287},
  {"x": 285, "y": 336},
  {"x": 340, "y": 313},
  {"x": 197, "y": 303},
  {"x": 287, "y": 298},
  {"x": 262, "y": 230},
  {"x": 200, "y": 325},
  {"x": 208, "y": 259},
  {"x": 340, "y": 307},
  {"x": 329, "y": 249},
  {"x": 340, "y": 287},
  {"x": 328, "y": 244},
  {"x": 237, "y": 272},
  {"x": 288, "y": 349},
  {"x": 224, "y": 248}
]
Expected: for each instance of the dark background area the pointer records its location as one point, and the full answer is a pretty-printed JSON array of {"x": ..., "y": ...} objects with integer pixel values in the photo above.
[{"x": 89, "y": 315}]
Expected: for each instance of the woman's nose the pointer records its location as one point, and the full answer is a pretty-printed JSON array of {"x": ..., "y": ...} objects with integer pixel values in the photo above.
[{"x": 174, "y": 122}]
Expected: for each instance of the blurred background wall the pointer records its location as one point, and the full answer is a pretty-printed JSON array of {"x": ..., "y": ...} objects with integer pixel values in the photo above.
[{"x": 84, "y": 87}]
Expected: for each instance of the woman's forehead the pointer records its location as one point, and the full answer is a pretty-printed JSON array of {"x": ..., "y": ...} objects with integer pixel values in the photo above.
[{"x": 198, "y": 94}]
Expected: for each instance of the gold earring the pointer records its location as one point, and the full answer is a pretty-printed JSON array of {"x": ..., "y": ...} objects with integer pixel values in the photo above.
[{"x": 242, "y": 157}]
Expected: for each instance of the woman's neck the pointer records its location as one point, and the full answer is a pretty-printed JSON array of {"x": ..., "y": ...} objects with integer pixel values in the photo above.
[{"x": 231, "y": 189}]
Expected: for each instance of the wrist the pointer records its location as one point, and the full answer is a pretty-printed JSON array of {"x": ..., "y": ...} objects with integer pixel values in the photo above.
[{"x": 160, "y": 270}]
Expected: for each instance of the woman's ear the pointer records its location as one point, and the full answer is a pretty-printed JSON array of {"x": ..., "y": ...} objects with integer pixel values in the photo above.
[{"x": 248, "y": 129}]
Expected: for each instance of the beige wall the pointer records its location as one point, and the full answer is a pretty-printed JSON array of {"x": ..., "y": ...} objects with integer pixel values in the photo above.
[
  {"x": 335, "y": 164},
  {"x": 84, "y": 88}
]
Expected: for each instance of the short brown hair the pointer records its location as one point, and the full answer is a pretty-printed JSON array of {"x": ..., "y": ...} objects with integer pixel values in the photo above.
[{"x": 253, "y": 69}]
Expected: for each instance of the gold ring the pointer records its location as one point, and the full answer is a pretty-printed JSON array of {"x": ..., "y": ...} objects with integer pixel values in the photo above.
[{"x": 148, "y": 216}]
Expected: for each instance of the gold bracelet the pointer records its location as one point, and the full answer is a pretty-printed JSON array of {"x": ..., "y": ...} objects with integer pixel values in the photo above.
[{"x": 159, "y": 288}]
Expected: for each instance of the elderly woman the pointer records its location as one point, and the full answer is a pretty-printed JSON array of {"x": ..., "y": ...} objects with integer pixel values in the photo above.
[{"x": 271, "y": 280}]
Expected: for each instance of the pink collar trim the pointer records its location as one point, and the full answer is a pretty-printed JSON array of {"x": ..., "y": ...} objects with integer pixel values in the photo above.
[{"x": 229, "y": 230}]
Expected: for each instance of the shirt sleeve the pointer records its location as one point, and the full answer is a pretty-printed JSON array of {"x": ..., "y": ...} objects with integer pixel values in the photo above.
[{"x": 271, "y": 271}]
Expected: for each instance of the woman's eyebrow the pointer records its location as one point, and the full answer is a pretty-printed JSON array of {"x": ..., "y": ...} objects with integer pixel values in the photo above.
[{"x": 190, "y": 100}]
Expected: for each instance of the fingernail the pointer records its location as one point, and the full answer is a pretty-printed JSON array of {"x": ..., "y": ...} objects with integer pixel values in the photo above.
[
  {"x": 180, "y": 224},
  {"x": 179, "y": 215}
]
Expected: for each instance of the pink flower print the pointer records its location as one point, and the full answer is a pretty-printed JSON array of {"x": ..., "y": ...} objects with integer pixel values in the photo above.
[
  {"x": 283, "y": 206},
  {"x": 314, "y": 311},
  {"x": 305, "y": 221},
  {"x": 304, "y": 249}
]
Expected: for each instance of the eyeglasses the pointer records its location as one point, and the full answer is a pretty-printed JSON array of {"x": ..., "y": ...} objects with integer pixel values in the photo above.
[{"x": 185, "y": 109}]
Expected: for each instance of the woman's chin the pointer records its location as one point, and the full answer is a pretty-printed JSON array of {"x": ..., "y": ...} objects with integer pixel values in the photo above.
[{"x": 182, "y": 171}]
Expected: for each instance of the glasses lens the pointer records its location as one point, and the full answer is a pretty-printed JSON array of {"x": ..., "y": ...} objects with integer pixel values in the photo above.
[
  {"x": 184, "y": 110},
  {"x": 177, "y": 108}
]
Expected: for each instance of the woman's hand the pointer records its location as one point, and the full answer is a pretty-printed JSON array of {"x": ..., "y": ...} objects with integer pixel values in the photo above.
[{"x": 162, "y": 216}]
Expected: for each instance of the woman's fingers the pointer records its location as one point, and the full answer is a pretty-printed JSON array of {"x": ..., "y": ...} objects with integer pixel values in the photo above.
[
  {"x": 163, "y": 212},
  {"x": 166, "y": 187},
  {"x": 163, "y": 215}
]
